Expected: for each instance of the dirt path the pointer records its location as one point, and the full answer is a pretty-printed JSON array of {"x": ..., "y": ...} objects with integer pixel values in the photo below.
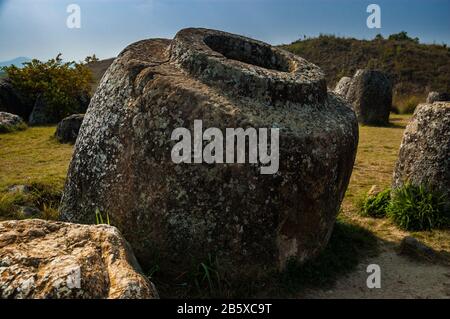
[{"x": 401, "y": 277}]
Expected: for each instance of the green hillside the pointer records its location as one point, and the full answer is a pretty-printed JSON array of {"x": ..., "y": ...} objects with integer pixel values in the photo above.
[{"x": 415, "y": 68}]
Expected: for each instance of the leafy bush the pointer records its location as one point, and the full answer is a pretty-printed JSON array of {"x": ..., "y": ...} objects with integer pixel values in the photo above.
[
  {"x": 403, "y": 36},
  {"x": 59, "y": 83},
  {"x": 12, "y": 128},
  {"x": 376, "y": 205},
  {"x": 418, "y": 208},
  {"x": 407, "y": 105}
]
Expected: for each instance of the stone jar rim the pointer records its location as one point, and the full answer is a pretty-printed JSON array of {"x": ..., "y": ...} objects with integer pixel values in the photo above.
[{"x": 245, "y": 67}]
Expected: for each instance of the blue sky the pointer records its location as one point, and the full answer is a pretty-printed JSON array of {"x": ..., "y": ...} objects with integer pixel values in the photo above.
[{"x": 37, "y": 28}]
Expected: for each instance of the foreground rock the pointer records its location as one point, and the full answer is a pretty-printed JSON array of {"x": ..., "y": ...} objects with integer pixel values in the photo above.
[
  {"x": 438, "y": 97},
  {"x": 12, "y": 101},
  {"x": 183, "y": 213},
  {"x": 67, "y": 130},
  {"x": 343, "y": 85},
  {"x": 370, "y": 93},
  {"x": 10, "y": 122},
  {"x": 42, "y": 259},
  {"x": 424, "y": 152}
]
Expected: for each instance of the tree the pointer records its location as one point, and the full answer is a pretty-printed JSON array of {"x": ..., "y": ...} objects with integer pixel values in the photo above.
[
  {"x": 379, "y": 37},
  {"x": 60, "y": 83},
  {"x": 403, "y": 36},
  {"x": 92, "y": 58}
]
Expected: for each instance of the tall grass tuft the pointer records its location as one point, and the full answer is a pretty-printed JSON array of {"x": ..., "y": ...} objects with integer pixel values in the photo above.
[
  {"x": 376, "y": 205},
  {"x": 417, "y": 208}
]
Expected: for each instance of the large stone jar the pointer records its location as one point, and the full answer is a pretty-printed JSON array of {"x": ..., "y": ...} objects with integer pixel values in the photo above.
[
  {"x": 370, "y": 93},
  {"x": 424, "y": 156},
  {"x": 176, "y": 215}
]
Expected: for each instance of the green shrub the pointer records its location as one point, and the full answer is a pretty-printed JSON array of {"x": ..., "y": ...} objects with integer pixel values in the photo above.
[
  {"x": 12, "y": 128},
  {"x": 59, "y": 83},
  {"x": 376, "y": 205},
  {"x": 417, "y": 208}
]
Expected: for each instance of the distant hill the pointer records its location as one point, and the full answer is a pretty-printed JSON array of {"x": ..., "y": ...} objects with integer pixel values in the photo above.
[
  {"x": 17, "y": 61},
  {"x": 98, "y": 68},
  {"x": 414, "y": 67}
]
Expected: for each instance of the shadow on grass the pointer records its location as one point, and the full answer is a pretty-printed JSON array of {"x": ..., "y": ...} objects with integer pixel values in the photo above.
[
  {"x": 391, "y": 124},
  {"x": 348, "y": 246}
]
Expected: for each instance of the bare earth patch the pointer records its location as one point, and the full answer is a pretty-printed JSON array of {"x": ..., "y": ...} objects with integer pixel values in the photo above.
[{"x": 401, "y": 277}]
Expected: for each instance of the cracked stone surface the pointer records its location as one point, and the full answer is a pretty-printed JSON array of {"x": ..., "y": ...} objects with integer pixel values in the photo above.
[
  {"x": 44, "y": 259},
  {"x": 178, "y": 214}
]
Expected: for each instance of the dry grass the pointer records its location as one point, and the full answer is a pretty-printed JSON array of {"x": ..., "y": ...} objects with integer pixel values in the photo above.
[
  {"x": 377, "y": 153},
  {"x": 33, "y": 155}
]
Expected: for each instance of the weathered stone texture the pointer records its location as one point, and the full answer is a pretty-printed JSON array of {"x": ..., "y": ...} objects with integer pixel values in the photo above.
[
  {"x": 183, "y": 212},
  {"x": 43, "y": 259},
  {"x": 424, "y": 156},
  {"x": 67, "y": 130}
]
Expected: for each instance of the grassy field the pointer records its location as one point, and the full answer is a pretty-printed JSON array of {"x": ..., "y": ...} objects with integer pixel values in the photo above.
[
  {"x": 377, "y": 153},
  {"x": 35, "y": 157},
  {"x": 32, "y": 157}
]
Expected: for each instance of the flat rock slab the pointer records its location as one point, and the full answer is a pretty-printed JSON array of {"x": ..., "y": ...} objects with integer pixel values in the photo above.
[{"x": 44, "y": 259}]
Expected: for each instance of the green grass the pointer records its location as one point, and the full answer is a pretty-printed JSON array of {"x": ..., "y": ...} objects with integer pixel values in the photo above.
[
  {"x": 34, "y": 158},
  {"x": 33, "y": 155},
  {"x": 418, "y": 208},
  {"x": 12, "y": 128},
  {"x": 99, "y": 218},
  {"x": 377, "y": 153},
  {"x": 376, "y": 205}
]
